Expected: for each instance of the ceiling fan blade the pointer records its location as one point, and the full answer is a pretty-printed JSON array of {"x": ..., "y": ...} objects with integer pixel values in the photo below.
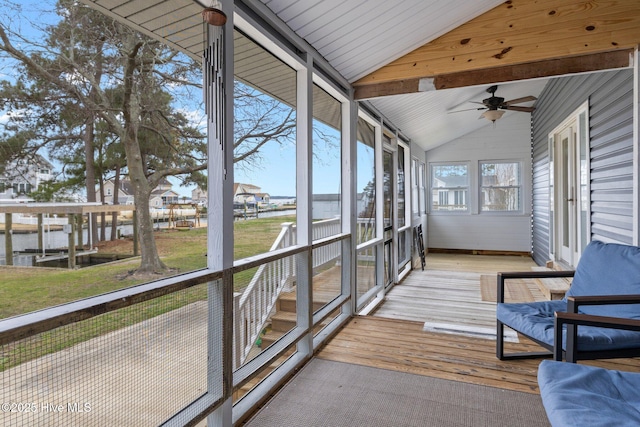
[
  {"x": 523, "y": 109},
  {"x": 468, "y": 109},
  {"x": 520, "y": 100}
]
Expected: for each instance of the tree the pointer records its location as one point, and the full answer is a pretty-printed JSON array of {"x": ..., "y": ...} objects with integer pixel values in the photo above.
[
  {"x": 92, "y": 70},
  {"x": 48, "y": 191},
  {"x": 100, "y": 98}
]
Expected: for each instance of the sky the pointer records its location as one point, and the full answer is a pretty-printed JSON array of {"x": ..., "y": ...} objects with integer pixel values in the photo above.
[{"x": 275, "y": 173}]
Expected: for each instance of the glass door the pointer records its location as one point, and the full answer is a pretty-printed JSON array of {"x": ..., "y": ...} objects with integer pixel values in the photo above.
[
  {"x": 388, "y": 213},
  {"x": 569, "y": 189}
]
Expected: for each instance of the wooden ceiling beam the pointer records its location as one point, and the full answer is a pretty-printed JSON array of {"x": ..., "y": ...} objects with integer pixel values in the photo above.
[
  {"x": 513, "y": 34},
  {"x": 509, "y": 73}
]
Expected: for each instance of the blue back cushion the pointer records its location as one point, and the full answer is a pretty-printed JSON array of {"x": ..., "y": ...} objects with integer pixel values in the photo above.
[{"x": 608, "y": 269}]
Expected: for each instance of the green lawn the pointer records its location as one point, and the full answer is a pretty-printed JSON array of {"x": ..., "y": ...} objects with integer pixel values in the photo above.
[
  {"x": 28, "y": 289},
  {"x": 24, "y": 290}
]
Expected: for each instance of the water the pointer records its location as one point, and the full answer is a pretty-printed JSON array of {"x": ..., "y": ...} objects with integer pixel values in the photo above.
[
  {"x": 52, "y": 240},
  {"x": 267, "y": 214},
  {"x": 59, "y": 239}
]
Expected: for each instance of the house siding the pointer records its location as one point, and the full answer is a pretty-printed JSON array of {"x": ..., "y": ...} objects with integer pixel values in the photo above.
[
  {"x": 509, "y": 140},
  {"x": 610, "y": 96}
]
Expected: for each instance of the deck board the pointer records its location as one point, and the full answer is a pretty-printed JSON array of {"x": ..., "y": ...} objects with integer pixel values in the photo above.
[{"x": 447, "y": 291}]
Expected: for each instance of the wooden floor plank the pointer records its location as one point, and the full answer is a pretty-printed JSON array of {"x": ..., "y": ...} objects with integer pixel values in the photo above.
[{"x": 447, "y": 291}]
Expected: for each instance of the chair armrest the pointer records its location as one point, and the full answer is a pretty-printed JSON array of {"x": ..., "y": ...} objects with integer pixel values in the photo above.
[
  {"x": 576, "y": 319},
  {"x": 573, "y": 302},
  {"x": 502, "y": 276},
  {"x": 562, "y": 318}
]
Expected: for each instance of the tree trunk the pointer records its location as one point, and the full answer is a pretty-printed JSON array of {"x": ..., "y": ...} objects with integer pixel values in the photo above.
[
  {"x": 103, "y": 224},
  {"x": 90, "y": 177},
  {"x": 90, "y": 149},
  {"x": 116, "y": 201},
  {"x": 150, "y": 260}
]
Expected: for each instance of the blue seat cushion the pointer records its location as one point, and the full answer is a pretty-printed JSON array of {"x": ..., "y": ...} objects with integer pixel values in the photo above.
[
  {"x": 535, "y": 319},
  {"x": 608, "y": 269},
  {"x": 581, "y": 395}
]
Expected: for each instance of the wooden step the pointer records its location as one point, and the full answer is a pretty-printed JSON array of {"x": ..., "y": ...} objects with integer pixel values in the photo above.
[
  {"x": 283, "y": 321},
  {"x": 287, "y": 320},
  {"x": 270, "y": 337},
  {"x": 553, "y": 288},
  {"x": 287, "y": 302}
]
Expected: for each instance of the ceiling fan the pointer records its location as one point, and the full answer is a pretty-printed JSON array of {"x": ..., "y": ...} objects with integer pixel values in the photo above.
[{"x": 494, "y": 105}]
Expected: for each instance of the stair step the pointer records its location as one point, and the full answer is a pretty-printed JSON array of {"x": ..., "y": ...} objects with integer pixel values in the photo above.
[
  {"x": 283, "y": 321},
  {"x": 270, "y": 337},
  {"x": 287, "y": 302}
]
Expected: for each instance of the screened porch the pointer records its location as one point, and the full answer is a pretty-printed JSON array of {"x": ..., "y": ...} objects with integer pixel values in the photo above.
[{"x": 356, "y": 101}]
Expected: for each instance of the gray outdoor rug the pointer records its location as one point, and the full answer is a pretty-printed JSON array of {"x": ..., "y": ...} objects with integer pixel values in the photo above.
[{"x": 326, "y": 393}]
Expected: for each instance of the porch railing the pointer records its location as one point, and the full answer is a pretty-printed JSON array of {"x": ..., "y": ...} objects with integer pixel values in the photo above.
[{"x": 255, "y": 304}]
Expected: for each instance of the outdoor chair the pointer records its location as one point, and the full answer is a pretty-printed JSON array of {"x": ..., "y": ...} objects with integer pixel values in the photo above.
[{"x": 595, "y": 320}]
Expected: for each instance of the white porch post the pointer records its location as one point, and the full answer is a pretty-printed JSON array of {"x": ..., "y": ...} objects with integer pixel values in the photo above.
[
  {"x": 636, "y": 147},
  {"x": 218, "y": 93},
  {"x": 379, "y": 224},
  {"x": 349, "y": 203},
  {"x": 304, "y": 190}
]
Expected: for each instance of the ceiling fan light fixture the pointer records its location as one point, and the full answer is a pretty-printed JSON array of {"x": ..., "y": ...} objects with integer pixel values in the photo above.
[{"x": 492, "y": 115}]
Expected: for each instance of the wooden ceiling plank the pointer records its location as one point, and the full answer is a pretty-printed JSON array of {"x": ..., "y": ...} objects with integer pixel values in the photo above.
[
  {"x": 622, "y": 30},
  {"x": 498, "y": 21},
  {"x": 397, "y": 87},
  {"x": 540, "y": 69},
  {"x": 537, "y": 47},
  {"x": 531, "y": 70},
  {"x": 546, "y": 8},
  {"x": 491, "y": 58},
  {"x": 518, "y": 32},
  {"x": 488, "y": 63}
]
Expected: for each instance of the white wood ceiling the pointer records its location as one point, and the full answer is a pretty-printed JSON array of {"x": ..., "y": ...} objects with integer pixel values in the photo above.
[
  {"x": 356, "y": 37},
  {"x": 359, "y": 36}
]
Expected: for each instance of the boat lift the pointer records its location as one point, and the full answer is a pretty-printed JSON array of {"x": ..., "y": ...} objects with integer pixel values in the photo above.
[{"x": 74, "y": 211}]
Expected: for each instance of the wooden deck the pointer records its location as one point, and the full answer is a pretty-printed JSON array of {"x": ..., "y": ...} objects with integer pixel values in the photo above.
[{"x": 447, "y": 291}]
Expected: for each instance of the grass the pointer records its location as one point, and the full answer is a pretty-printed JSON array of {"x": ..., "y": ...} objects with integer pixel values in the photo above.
[{"x": 24, "y": 290}]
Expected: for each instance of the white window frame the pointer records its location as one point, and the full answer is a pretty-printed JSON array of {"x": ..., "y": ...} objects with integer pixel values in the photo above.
[
  {"x": 422, "y": 187},
  {"x": 415, "y": 197},
  {"x": 452, "y": 190},
  {"x": 520, "y": 188}
]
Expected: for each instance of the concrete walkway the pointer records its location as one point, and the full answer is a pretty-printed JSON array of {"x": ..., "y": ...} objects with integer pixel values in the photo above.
[{"x": 137, "y": 376}]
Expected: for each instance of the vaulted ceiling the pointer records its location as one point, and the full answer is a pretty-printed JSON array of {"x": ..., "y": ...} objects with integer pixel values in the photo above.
[{"x": 416, "y": 60}]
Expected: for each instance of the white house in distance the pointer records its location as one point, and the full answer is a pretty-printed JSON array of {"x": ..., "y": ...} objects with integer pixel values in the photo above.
[
  {"x": 161, "y": 196},
  {"x": 199, "y": 196},
  {"x": 249, "y": 195},
  {"x": 23, "y": 176}
]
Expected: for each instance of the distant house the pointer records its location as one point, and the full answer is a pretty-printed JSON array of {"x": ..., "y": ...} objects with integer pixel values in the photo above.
[
  {"x": 23, "y": 176},
  {"x": 161, "y": 196},
  {"x": 249, "y": 195},
  {"x": 449, "y": 192},
  {"x": 199, "y": 196}
]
